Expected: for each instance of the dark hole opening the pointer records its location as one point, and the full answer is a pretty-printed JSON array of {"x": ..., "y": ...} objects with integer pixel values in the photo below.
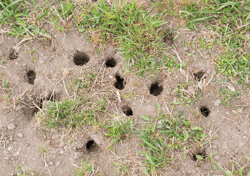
[
  {"x": 90, "y": 144},
  {"x": 205, "y": 111},
  {"x": 156, "y": 89},
  {"x": 200, "y": 153},
  {"x": 39, "y": 104},
  {"x": 198, "y": 75},
  {"x": 31, "y": 76},
  {"x": 119, "y": 84},
  {"x": 81, "y": 58},
  {"x": 52, "y": 97},
  {"x": 110, "y": 62},
  {"x": 13, "y": 54},
  {"x": 168, "y": 38},
  {"x": 94, "y": 0},
  {"x": 127, "y": 111}
]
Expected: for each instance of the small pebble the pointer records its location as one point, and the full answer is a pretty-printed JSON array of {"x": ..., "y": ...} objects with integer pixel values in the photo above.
[
  {"x": 19, "y": 135},
  {"x": 11, "y": 126},
  {"x": 217, "y": 103}
]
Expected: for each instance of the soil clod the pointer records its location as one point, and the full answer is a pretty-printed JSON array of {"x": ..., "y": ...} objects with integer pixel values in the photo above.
[
  {"x": 31, "y": 76},
  {"x": 92, "y": 146},
  {"x": 156, "y": 89},
  {"x": 127, "y": 111},
  {"x": 110, "y": 62},
  {"x": 205, "y": 111},
  {"x": 119, "y": 84},
  {"x": 13, "y": 54},
  {"x": 200, "y": 154},
  {"x": 81, "y": 58},
  {"x": 198, "y": 75}
]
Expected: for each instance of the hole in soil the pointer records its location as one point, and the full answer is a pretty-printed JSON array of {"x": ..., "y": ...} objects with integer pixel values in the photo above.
[
  {"x": 198, "y": 75},
  {"x": 110, "y": 62},
  {"x": 13, "y": 54},
  {"x": 31, "y": 76},
  {"x": 200, "y": 153},
  {"x": 119, "y": 84},
  {"x": 127, "y": 111},
  {"x": 81, "y": 58},
  {"x": 39, "y": 104},
  {"x": 168, "y": 38},
  {"x": 94, "y": 0},
  {"x": 92, "y": 146},
  {"x": 205, "y": 111},
  {"x": 155, "y": 89},
  {"x": 52, "y": 97}
]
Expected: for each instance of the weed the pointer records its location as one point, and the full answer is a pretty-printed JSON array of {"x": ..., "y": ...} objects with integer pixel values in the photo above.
[
  {"x": 5, "y": 83},
  {"x": 32, "y": 51},
  {"x": 156, "y": 148},
  {"x": 235, "y": 170},
  {"x": 129, "y": 27},
  {"x": 186, "y": 97},
  {"x": 165, "y": 135},
  {"x": 119, "y": 130},
  {"x": 87, "y": 168},
  {"x": 72, "y": 113},
  {"x": 23, "y": 172},
  {"x": 15, "y": 13},
  {"x": 229, "y": 21},
  {"x": 43, "y": 150},
  {"x": 227, "y": 95}
]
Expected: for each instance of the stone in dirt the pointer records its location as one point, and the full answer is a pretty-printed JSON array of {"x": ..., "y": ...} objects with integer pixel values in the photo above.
[
  {"x": 11, "y": 126},
  {"x": 19, "y": 135},
  {"x": 217, "y": 103}
]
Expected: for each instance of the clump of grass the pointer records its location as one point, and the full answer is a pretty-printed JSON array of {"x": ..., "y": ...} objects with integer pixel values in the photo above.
[
  {"x": 235, "y": 65},
  {"x": 119, "y": 130},
  {"x": 73, "y": 113},
  {"x": 128, "y": 26},
  {"x": 165, "y": 135},
  {"x": 185, "y": 97},
  {"x": 16, "y": 13},
  {"x": 229, "y": 20},
  {"x": 228, "y": 95},
  {"x": 87, "y": 168}
]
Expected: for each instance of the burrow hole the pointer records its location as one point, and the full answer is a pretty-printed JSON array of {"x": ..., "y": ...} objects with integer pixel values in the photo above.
[
  {"x": 31, "y": 75},
  {"x": 119, "y": 84},
  {"x": 168, "y": 37},
  {"x": 201, "y": 153},
  {"x": 52, "y": 97},
  {"x": 39, "y": 103},
  {"x": 110, "y": 62},
  {"x": 81, "y": 58},
  {"x": 205, "y": 111},
  {"x": 199, "y": 75},
  {"x": 155, "y": 89},
  {"x": 92, "y": 146},
  {"x": 127, "y": 110},
  {"x": 13, "y": 54}
]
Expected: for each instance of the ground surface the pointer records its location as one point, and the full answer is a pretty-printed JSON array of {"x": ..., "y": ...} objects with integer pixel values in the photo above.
[{"x": 68, "y": 108}]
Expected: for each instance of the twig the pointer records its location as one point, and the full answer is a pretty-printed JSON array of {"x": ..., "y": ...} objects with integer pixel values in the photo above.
[
  {"x": 141, "y": 101},
  {"x": 38, "y": 108},
  {"x": 118, "y": 96},
  {"x": 182, "y": 72}
]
